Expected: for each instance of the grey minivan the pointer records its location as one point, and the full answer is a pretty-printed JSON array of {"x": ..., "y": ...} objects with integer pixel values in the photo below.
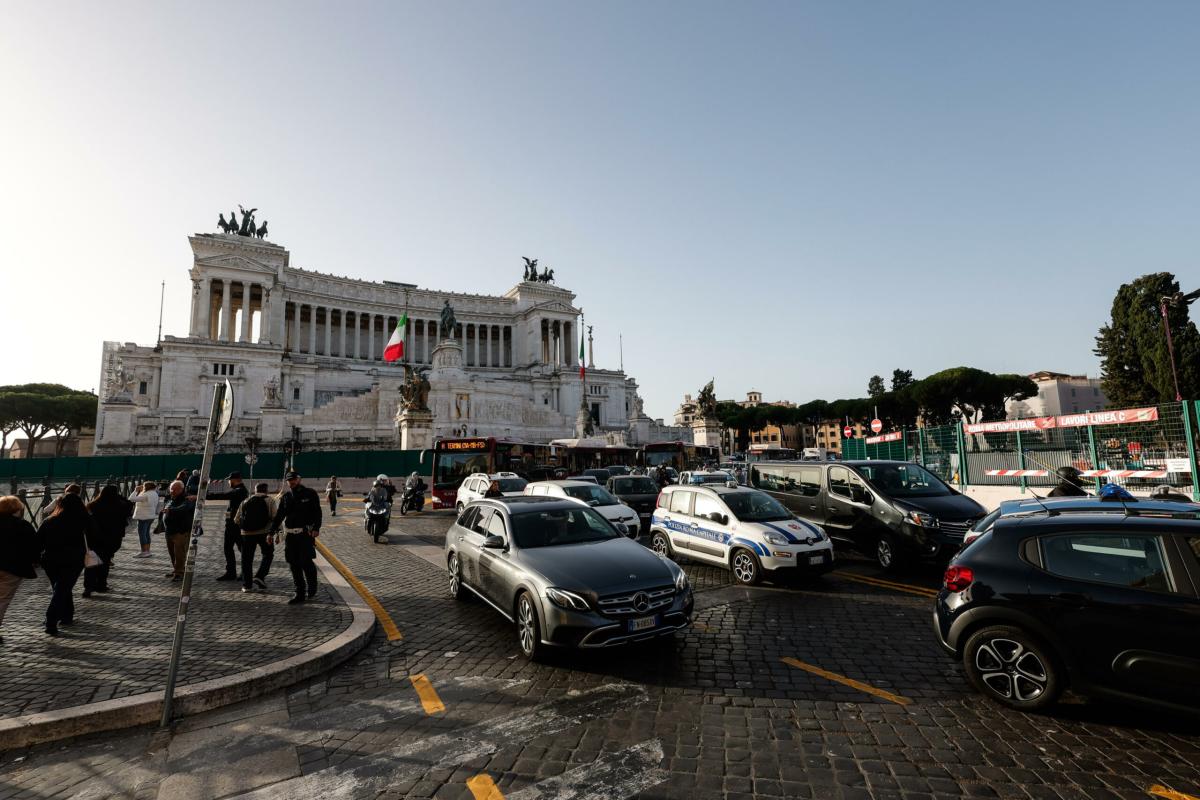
[
  {"x": 891, "y": 510},
  {"x": 564, "y": 574}
]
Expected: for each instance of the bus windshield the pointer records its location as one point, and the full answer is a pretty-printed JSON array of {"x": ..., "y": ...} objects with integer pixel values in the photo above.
[{"x": 453, "y": 467}]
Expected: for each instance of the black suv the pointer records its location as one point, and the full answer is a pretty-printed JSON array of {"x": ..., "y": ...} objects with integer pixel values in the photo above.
[
  {"x": 1106, "y": 603},
  {"x": 892, "y": 510},
  {"x": 639, "y": 492}
]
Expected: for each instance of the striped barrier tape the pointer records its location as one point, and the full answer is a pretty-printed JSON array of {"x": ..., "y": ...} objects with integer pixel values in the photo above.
[
  {"x": 1089, "y": 473},
  {"x": 1019, "y": 473}
]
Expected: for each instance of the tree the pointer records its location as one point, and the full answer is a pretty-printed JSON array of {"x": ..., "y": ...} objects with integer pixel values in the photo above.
[
  {"x": 1135, "y": 364},
  {"x": 875, "y": 387},
  {"x": 901, "y": 379},
  {"x": 39, "y": 409}
]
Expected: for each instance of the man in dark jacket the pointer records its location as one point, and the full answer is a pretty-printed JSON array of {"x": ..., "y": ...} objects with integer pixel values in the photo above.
[
  {"x": 233, "y": 534},
  {"x": 1068, "y": 484},
  {"x": 300, "y": 514},
  {"x": 177, "y": 520},
  {"x": 18, "y": 550}
]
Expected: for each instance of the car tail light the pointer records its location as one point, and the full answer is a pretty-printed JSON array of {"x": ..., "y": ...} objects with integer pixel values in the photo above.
[{"x": 958, "y": 578}]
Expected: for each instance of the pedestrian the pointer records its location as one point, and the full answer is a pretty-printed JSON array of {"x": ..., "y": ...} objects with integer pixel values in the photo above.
[
  {"x": 146, "y": 505},
  {"x": 254, "y": 517},
  {"x": 111, "y": 513},
  {"x": 300, "y": 513},
  {"x": 233, "y": 535},
  {"x": 178, "y": 515},
  {"x": 18, "y": 550},
  {"x": 333, "y": 490},
  {"x": 493, "y": 490},
  {"x": 1165, "y": 492},
  {"x": 1068, "y": 484},
  {"x": 193, "y": 485},
  {"x": 62, "y": 545}
]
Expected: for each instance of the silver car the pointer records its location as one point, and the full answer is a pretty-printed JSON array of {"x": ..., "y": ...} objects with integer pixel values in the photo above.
[{"x": 564, "y": 574}]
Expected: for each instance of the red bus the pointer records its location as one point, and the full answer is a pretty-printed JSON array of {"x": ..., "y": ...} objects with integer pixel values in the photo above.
[
  {"x": 455, "y": 459},
  {"x": 679, "y": 455}
]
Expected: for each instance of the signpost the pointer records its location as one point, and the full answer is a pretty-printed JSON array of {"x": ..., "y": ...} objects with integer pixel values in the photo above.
[
  {"x": 847, "y": 431},
  {"x": 876, "y": 425}
]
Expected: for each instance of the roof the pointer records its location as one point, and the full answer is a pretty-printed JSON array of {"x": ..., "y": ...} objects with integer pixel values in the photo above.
[
  {"x": 564, "y": 483},
  {"x": 1092, "y": 506},
  {"x": 519, "y": 504},
  {"x": 1097, "y": 521},
  {"x": 719, "y": 488}
]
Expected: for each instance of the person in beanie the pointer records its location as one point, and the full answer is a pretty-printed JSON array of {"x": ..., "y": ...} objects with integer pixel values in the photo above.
[
  {"x": 332, "y": 490},
  {"x": 254, "y": 518},
  {"x": 233, "y": 534},
  {"x": 300, "y": 514},
  {"x": 1068, "y": 484},
  {"x": 177, "y": 520},
  {"x": 18, "y": 550}
]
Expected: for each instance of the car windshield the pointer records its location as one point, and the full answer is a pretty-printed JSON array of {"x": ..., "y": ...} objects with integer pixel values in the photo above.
[
  {"x": 903, "y": 480},
  {"x": 708, "y": 477},
  {"x": 561, "y": 526},
  {"x": 752, "y": 506},
  {"x": 592, "y": 495},
  {"x": 986, "y": 522},
  {"x": 511, "y": 484},
  {"x": 635, "y": 486}
]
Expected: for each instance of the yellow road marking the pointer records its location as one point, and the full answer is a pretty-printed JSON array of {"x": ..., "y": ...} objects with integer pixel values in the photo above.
[
  {"x": 385, "y": 621},
  {"x": 483, "y": 788},
  {"x": 882, "y": 584},
  {"x": 842, "y": 679},
  {"x": 429, "y": 696},
  {"x": 1159, "y": 790}
]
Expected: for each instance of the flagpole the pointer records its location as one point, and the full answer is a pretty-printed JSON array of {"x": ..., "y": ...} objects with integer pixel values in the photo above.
[{"x": 407, "y": 292}]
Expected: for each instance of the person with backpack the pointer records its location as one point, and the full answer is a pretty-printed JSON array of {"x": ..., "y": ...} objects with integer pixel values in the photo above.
[{"x": 254, "y": 518}]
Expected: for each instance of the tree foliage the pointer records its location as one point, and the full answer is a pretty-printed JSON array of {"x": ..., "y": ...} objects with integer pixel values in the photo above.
[
  {"x": 1135, "y": 365},
  {"x": 39, "y": 409},
  {"x": 875, "y": 386},
  {"x": 901, "y": 379}
]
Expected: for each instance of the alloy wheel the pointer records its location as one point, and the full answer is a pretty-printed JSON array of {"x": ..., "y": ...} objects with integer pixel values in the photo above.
[
  {"x": 883, "y": 552},
  {"x": 1011, "y": 671},
  {"x": 526, "y": 626},
  {"x": 455, "y": 577},
  {"x": 658, "y": 543},
  {"x": 744, "y": 568}
]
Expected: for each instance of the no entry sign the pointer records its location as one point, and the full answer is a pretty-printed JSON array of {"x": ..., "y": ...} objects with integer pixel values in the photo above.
[
  {"x": 847, "y": 431},
  {"x": 876, "y": 425}
]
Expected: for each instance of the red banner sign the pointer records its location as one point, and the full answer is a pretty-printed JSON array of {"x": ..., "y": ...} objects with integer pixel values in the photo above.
[
  {"x": 1124, "y": 416},
  {"x": 887, "y": 437}
]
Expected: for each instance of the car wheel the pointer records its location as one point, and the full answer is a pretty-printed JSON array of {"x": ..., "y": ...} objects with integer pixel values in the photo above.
[
  {"x": 529, "y": 633},
  {"x": 661, "y": 544},
  {"x": 457, "y": 591},
  {"x": 745, "y": 567},
  {"x": 887, "y": 552},
  {"x": 1013, "y": 668}
]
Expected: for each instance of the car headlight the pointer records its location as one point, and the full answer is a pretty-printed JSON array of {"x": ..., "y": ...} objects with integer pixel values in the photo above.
[
  {"x": 922, "y": 519},
  {"x": 681, "y": 581},
  {"x": 568, "y": 600},
  {"x": 775, "y": 538}
]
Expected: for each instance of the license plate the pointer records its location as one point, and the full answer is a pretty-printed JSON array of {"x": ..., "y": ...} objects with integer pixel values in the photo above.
[
  {"x": 642, "y": 623},
  {"x": 816, "y": 559}
]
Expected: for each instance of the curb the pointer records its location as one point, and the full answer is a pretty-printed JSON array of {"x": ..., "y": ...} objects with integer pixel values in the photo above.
[{"x": 195, "y": 698}]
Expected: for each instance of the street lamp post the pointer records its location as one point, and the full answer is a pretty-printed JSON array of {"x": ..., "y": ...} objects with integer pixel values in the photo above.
[{"x": 1175, "y": 300}]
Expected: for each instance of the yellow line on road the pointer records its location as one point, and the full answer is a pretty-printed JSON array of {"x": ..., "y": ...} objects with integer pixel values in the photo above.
[
  {"x": 1157, "y": 790},
  {"x": 882, "y": 584},
  {"x": 842, "y": 679},
  {"x": 429, "y": 696},
  {"x": 385, "y": 621},
  {"x": 484, "y": 788}
]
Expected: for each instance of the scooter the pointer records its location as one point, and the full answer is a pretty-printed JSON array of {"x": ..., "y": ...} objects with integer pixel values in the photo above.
[
  {"x": 413, "y": 499},
  {"x": 377, "y": 516}
]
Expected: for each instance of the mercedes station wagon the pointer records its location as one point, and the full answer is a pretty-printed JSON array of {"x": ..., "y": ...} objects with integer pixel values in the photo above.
[{"x": 564, "y": 574}]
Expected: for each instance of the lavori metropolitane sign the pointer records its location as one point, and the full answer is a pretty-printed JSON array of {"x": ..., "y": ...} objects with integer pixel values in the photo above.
[{"x": 1125, "y": 416}]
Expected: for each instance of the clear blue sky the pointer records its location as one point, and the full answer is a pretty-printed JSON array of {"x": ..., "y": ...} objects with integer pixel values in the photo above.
[{"x": 784, "y": 196}]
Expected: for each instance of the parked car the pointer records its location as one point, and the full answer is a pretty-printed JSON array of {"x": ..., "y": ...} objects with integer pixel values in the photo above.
[
  {"x": 601, "y": 475},
  {"x": 741, "y": 529},
  {"x": 1105, "y": 603},
  {"x": 639, "y": 493},
  {"x": 475, "y": 486},
  {"x": 617, "y": 469},
  {"x": 592, "y": 495},
  {"x": 563, "y": 574},
  {"x": 1077, "y": 505},
  {"x": 703, "y": 477},
  {"x": 891, "y": 510},
  {"x": 582, "y": 478}
]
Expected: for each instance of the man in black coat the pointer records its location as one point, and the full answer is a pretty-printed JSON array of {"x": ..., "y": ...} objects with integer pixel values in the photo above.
[
  {"x": 1068, "y": 484},
  {"x": 300, "y": 514},
  {"x": 178, "y": 516},
  {"x": 233, "y": 534}
]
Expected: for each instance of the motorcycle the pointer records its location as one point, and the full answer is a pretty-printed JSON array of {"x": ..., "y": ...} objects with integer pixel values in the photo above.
[
  {"x": 413, "y": 499},
  {"x": 377, "y": 517}
]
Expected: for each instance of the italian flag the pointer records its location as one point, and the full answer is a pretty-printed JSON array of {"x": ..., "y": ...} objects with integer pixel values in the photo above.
[
  {"x": 582, "y": 369},
  {"x": 395, "y": 346}
]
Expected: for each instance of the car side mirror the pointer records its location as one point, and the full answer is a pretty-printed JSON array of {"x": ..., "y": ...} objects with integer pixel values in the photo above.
[
  {"x": 493, "y": 542},
  {"x": 624, "y": 529}
]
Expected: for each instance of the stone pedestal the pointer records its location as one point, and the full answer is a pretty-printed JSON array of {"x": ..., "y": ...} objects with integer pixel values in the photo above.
[
  {"x": 415, "y": 429},
  {"x": 447, "y": 356},
  {"x": 274, "y": 425},
  {"x": 706, "y": 431},
  {"x": 118, "y": 422}
]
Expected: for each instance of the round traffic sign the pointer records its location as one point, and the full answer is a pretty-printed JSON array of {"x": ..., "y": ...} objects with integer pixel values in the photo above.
[
  {"x": 847, "y": 431},
  {"x": 876, "y": 425},
  {"x": 252, "y": 459}
]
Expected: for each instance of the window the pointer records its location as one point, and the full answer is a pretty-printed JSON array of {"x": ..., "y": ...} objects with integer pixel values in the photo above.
[
  {"x": 481, "y": 522},
  {"x": 1131, "y": 560},
  {"x": 1194, "y": 543},
  {"x": 468, "y": 517},
  {"x": 681, "y": 502},
  {"x": 495, "y": 525},
  {"x": 142, "y": 387},
  {"x": 549, "y": 528},
  {"x": 296, "y": 393},
  {"x": 707, "y": 506},
  {"x": 839, "y": 481}
]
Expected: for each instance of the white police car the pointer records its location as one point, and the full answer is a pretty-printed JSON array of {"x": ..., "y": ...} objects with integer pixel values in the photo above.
[
  {"x": 475, "y": 486},
  {"x": 742, "y": 529}
]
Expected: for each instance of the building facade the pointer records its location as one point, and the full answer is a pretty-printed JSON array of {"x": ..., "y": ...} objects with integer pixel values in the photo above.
[
  {"x": 303, "y": 352},
  {"x": 1059, "y": 393}
]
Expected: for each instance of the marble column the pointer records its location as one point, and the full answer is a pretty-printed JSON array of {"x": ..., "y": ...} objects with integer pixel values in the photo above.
[
  {"x": 328, "y": 330},
  {"x": 370, "y": 337},
  {"x": 246, "y": 301},
  {"x": 206, "y": 304},
  {"x": 357, "y": 335},
  {"x": 226, "y": 311},
  {"x": 312, "y": 329},
  {"x": 342, "y": 339}
]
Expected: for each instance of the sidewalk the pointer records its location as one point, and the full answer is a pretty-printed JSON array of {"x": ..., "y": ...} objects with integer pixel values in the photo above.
[{"x": 109, "y": 669}]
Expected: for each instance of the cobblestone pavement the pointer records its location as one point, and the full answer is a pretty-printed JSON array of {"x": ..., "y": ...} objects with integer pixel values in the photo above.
[
  {"x": 120, "y": 643},
  {"x": 451, "y": 710}
]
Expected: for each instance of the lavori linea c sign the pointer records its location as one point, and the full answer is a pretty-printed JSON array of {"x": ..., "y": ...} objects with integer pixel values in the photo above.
[{"x": 1125, "y": 416}]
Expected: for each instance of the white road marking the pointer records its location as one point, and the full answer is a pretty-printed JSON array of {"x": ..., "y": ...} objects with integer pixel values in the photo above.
[
  {"x": 375, "y": 773},
  {"x": 611, "y": 777}
]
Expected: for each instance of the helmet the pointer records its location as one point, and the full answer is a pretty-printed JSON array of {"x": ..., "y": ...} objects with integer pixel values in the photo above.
[
  {"x": 414, "y": 474},
  {"x": 1067, "y": 473},
  {"x": 1161, "y": 490},
  {"x": 381, "y": 478}
]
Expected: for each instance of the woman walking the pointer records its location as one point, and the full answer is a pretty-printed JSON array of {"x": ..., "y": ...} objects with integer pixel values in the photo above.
[
  {"x": 111, "y": 514},
  {"x": 18, "y": 550},
  {"x": 62, "y": 542},
  {"x": 145, "y": 510},
  {"x": 332, "y": 490}
]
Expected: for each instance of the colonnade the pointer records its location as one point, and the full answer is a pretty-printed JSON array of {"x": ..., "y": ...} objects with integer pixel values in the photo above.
[{"x": 558, "y": 343}]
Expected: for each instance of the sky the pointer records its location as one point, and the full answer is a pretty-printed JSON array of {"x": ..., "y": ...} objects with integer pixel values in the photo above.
[{"x": 787, "y": 197}]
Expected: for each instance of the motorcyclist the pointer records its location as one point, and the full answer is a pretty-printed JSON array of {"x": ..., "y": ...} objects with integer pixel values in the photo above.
[
  {"x": 414, "y": 493},
  {"x": 660, "y": 476},
  {"x": 379, "y": 497},
  {"x": 386, "y": 482},
  {"x": 1068, "y": 484}
]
